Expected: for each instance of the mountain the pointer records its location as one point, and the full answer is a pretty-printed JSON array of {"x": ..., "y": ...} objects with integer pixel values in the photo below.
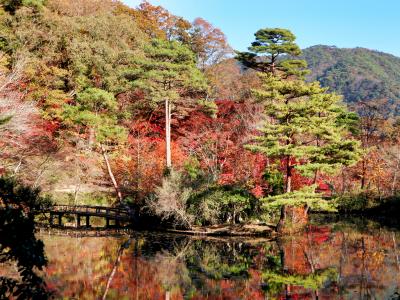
[{"x": 358, "y": 74}]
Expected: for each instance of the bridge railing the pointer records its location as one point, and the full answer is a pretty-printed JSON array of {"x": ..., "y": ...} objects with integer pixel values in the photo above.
[{"x": 86, "y": 209}]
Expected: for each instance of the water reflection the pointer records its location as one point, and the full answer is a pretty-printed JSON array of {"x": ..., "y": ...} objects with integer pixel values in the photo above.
[
  {"x": 21, "y": 256},
  {"x": 336, "y": 261}
]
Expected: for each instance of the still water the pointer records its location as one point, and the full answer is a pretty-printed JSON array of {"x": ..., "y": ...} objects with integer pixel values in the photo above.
[{"x": 352, "y": 259}]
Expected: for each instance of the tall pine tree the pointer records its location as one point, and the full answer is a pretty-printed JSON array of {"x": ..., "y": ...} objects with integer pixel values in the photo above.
[
  {"x": 166, "y": 73},
  {"x": 306, "y": 126},
  {"x": 303, "y": 128}
]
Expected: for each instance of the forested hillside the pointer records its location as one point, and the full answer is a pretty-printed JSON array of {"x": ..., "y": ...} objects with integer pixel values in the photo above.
[
  {"x": 101, "y": 103},
  {"x": 357, "y": 73},
  {"x": 83, "y": 90},
  {"x": 132, "y": 117}
]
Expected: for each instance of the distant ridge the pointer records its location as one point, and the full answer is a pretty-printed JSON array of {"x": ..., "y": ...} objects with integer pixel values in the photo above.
[{"x": 358, "y": 74}]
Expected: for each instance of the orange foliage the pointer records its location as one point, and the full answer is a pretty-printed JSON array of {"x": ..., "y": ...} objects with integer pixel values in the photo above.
[{"x": 142, "y": 165}]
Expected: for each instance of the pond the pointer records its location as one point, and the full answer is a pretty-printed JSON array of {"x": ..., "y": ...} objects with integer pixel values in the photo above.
[{"x": 351, "y": 259}]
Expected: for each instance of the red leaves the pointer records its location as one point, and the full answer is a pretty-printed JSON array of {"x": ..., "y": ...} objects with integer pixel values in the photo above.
[
  {"x": 218, "y": 143},
  {"x": 141, "y": 167}
]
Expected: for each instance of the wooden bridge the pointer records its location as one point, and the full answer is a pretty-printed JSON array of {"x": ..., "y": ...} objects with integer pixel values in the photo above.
[{"x": 83, "y": 211}]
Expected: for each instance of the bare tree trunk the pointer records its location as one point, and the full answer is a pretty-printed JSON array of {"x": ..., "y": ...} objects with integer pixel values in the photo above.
[
  {"x": 288, "y": 175},
  {"x": 76, "y": 192},
  {"x": 114, "y": 269},
  {"x": 395, "y": 251},
  {"x": 363, "y": 175},
  {"x": 17, "y": 167},
  {"x": 395, "y": 178},
  {"x": 110, "y": 173},
  {"x": 92, "y": 137},
  {"x": 168, "y": 133}
]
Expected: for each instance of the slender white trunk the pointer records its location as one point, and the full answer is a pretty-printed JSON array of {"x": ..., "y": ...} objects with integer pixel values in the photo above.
[
  {"x": 110, "y": 173},
  {"x": 168, "y": 133},
  {"x": 17, "y": 167}
]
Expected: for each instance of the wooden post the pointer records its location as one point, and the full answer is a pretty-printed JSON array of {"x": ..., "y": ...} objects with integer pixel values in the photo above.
[
  {"x": 51, "y": 219},
  {"x": 59, "y": 219},
  {"x": 87, "y": 221},
  {"x": 107, "y": 222},
  {"x": 78, "y": 221},
  {"x": 117, "y": 223}
]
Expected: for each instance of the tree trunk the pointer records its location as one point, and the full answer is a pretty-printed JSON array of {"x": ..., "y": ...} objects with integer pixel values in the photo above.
[
  {"x": 395, "y": 178},
  {"x": 315, "y": 177},
  {"x": 110, "y": 173},
  {"x": 115, "y": 268},
  {"x": 363, "y": 174},
  {"x": 92, "y": 137},
  {"x": 292, "y": 218},
  {"x": 288, "y": 175},
  {"x": 168, "y": 133}
]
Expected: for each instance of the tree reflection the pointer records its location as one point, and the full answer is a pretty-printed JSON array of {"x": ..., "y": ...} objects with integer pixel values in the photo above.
[
  {"x": 325, "y": 262},
  {"x": 18, "y": 244}
]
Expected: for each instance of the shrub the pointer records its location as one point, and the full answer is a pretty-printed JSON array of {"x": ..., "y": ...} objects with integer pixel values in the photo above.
[
  {"x": 222, "y": 204},
  {"x": 170, "y": 199}
]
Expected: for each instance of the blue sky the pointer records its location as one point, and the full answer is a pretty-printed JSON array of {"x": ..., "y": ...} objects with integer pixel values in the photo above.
[{"x": 343, "y": 23}]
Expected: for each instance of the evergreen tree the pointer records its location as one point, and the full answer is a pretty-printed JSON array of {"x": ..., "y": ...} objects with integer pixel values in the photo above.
[
  {"x": 273, "y": 51},
  {"x": 303, "y": 128},
  {"x": 166, "y": 73},
  {"x": 94, "y": 113},
  {"x": 306, "y": 128}
]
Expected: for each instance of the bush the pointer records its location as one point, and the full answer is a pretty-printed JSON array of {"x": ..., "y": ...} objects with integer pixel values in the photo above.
[
  {"x": 222, "y": 204},
  {"x": 170, "y": 199},
  {"x": 353, "y": 202}
]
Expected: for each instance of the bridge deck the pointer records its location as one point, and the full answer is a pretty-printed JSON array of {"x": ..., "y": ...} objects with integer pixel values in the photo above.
[
  {"x": 109, "y": 213},
  {"x": 84, "y": 210}
]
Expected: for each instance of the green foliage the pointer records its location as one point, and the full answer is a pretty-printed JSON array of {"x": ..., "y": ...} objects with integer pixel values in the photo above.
[
  {"x": 5, "y": 120},
  {"x": 218, "y": 263},
  {"x": 69, "y": 53},
  {"x": 305, "y": 196},
  {"x": 275, "y": 181},
  {"x": 358, "y": 74},
  {"x": 355, "y": 202},
  {"x": 306, "y": 126},
  {"x": 96, "y": 110},
  {"x": 97, "y": 100},
  {"x": 14, "y": 193},
  {"x": 167, "y": 70},
  {"x": 268, "y": 49},
  {"x": 220, "y": 204},
  {"x": 192, "y": 168},
  {"x": 275, "y": 41},
  {"x": 209, "y": 107},
  {"x": 275, "y": 281},
  {"x": 12, "y": 5}
]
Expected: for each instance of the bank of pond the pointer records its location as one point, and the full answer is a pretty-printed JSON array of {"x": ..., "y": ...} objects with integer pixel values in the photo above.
[{"x": 332, "y": 258}]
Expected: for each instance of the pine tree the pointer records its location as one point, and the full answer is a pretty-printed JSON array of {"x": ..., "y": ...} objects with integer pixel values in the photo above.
[
  {"x": 166, "y": 73},
  {"x": 272, "y": 52},
  {"x": 304, "y": 128},
  {"x": 307, "y": 128},
  {"x": 95, "y": 113}
]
